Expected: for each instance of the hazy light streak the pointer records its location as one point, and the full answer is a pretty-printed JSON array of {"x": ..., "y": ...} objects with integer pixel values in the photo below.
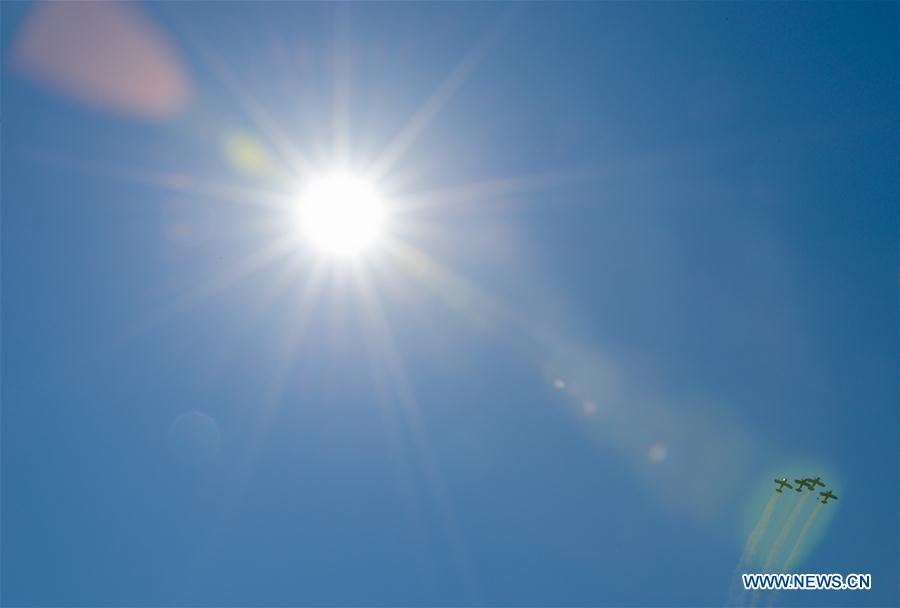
[
  {"x": 457, "y": 293},
  {"x": 384, "y": 399},
  {"x": 281, "y": 285},
  {"x": 398, "y": 380},
  {"x": 246, "y": 267},
  {"x": 495, "y": 188},
  {"x": 612, "y": 169},
  {"x": 290, "y": 155},
  {"x": 425, "y": 114},
  {"x": 341, "y": 84},
  {"x": 173, "y": 182},
  {"x": 296, "y": 325}
]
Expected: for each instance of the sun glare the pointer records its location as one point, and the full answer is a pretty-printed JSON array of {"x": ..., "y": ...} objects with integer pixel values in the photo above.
[{"x": 341, "y": 215}]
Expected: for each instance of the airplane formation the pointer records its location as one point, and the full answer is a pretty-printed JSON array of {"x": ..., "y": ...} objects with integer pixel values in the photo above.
[{"x": 809, "y": 483}]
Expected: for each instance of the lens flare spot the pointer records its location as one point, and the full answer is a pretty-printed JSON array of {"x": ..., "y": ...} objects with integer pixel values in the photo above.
[
  {"x": 657, "y": 452},
  {"x": 246, "y": 153}
]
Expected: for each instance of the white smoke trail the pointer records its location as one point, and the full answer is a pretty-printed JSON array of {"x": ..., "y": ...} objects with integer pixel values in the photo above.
[
  {"x": 750, "y": 547},
  {"x": 785, "y": 530},
  {"x": 789, "y": 562},
  {"x": 779, "y": 540}
]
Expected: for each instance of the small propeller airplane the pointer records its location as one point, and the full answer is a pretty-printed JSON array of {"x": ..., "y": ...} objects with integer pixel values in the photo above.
[
  {"x": 826, "y": 495},
  {"x": 804, "y": 483},
  {"x": 815, "y": 481},
  {"x": 781, "y": 483}
]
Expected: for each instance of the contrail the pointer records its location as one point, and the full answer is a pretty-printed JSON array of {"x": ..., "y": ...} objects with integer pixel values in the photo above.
[
  {"x": 779, "y": 540},
  {"x": 785, "y": 530},
  {"x": 796, "y": 548},
  {"x": 750, "y": 548},
  {"x": 789, "y": 562}
]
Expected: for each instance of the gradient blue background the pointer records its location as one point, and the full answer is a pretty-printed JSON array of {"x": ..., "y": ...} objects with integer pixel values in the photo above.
[{"x": 733, "y": 246}]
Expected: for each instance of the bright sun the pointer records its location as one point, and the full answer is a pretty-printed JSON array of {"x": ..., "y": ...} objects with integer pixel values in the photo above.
[{"x": 341, "y": 214}]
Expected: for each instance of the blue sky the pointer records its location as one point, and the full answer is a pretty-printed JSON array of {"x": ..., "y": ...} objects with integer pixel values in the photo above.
[{"x": 643, "y": 258}]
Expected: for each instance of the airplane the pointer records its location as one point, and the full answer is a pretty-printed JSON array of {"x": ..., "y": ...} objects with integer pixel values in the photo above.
[
  {"x": 805, "y": 482},
  {"x": 826, "y": 495},
  {"x": 815, "y": 481},
  {"x": 781, "y": 483}
]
